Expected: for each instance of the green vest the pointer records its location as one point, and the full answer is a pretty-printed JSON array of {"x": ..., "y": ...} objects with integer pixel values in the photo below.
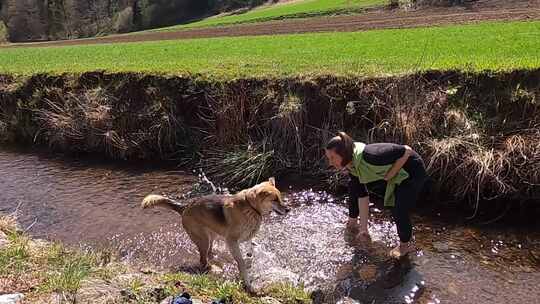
[{"x": 368, "y": 173}]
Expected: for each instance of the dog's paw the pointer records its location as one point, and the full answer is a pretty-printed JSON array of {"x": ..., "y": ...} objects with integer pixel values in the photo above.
[
  {"x": 215, "y": 269},
  {"x": 249, "y": 288},
  {"x": 205, "y": 268},
  {"x": 249, "y": 263}
]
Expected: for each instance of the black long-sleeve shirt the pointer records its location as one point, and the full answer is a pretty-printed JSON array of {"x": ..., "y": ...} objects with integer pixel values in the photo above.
[{"x": 381, "y": 154}]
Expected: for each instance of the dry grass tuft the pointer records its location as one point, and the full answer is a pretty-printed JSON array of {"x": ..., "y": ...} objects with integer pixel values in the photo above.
[
  {"x": 242, "y": 167},
  {"x": 8, "y": 223}
]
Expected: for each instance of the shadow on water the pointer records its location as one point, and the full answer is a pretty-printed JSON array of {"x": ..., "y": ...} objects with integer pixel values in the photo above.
[{"x": 95, "y": 203}]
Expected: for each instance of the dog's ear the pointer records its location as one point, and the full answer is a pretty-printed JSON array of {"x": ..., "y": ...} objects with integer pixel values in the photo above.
[
  {"x": 269, "y": 192},
  {"x": 272, "y": 181}
]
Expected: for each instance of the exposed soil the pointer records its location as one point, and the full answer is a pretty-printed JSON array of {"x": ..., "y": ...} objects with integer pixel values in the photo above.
[
  {"x": 228, "y": 127},
  {"x": 373, "y": 19}
]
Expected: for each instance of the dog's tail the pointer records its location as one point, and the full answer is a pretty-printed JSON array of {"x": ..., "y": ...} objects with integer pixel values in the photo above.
[{"x": 158, "y": 200}]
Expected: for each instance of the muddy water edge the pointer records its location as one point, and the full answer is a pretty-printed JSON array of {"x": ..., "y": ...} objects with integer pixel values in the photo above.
[{"x": 94, "y": 202}]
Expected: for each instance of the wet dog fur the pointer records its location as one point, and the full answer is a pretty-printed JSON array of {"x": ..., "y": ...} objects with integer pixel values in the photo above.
[{"x": 236, "y": 218}]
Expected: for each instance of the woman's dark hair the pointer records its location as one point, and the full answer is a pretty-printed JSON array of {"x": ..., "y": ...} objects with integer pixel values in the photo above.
[{"x": 343, "y": 145}]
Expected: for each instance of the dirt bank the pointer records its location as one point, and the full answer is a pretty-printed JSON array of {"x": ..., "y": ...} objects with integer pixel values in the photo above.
[{"x": 479, "y": 133}]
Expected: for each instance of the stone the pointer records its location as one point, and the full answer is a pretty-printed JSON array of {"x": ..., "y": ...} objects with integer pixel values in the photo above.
[
  {"x": 367, "y": 272},
  {"x": 97, "y": 291},
  {"x": 453, "y": 289},
  {"x": 14, "y": 298},
  {"x": 126, "y": 278},
  {"x": 269, "y": 300},
  {"x": 167, "y": 300},
  {"x": 372, "y": 273},
  {"x": 441, "y": 246},
  {"x": 346, "y": 300},
  {"x": 273, "y": 275},
  {"x": 262, "y": 275}
]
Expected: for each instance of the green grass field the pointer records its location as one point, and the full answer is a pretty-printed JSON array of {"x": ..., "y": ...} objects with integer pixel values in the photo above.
[
  {"x": 305, "y": 8},
  {"x": 486, "y": 46}
]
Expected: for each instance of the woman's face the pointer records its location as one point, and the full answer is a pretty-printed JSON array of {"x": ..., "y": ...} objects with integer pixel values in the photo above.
[{"x": 334, "y": 159}]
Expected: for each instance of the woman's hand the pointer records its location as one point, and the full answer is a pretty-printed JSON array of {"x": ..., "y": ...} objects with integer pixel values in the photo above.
[
  {"x": 363, "y": 231},
  {"x": 398, "y": 164},
  {"x": 363, "y": 236}
]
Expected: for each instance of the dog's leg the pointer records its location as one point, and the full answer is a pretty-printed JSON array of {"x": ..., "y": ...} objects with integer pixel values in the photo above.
[
  {"x": 249, "y": 254},
  {"x": 203, "y": 245},
  {"x": 251, "y": 244},
  {"x": 202, "y": 241},
  {"x": 211, "y": 247},
  {"x": 234, "y": 248}
]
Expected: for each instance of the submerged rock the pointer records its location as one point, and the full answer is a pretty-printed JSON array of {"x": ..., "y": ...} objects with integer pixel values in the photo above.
[
  {"x": 370, "y": 274},
  {"x": 273, "y": 275},
  {"x": 264, "y": 272},
  {"x": 441, "y": 246}
]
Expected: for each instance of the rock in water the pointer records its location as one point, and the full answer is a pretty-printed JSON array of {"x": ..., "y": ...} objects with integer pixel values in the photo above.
[
  {"x": 264, "y": 272},
  {"x": 371, "y": 273},
  {"x": 273, "y": 275}
]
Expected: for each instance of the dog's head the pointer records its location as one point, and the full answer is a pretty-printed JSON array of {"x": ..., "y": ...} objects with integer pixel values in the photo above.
[{"x": 265, "y": 197}]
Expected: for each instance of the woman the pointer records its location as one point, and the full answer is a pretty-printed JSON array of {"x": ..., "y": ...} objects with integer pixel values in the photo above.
[{"x": 397, "y": 168}]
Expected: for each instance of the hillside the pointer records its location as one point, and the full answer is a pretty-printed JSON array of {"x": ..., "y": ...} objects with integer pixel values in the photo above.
[{"x": 41, "y": 20}]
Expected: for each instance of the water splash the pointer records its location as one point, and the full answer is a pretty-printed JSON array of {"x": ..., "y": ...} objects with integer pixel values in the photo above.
[{"x": 203, "y": 186}]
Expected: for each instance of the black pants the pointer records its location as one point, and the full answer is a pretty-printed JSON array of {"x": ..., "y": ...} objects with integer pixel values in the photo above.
[{"x": 407, "y": 194}]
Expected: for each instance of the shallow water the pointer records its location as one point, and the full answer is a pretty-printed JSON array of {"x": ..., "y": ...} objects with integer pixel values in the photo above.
[{"x": 95, "y": 203}]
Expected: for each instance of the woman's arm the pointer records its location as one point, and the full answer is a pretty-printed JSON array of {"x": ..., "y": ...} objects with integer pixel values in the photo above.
[
  {"x": 398, "y": 164},
  {"x": 363, "y": 204}
]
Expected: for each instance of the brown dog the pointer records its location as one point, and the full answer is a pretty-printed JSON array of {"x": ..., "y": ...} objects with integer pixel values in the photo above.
[{"x": 236, "y": 218}]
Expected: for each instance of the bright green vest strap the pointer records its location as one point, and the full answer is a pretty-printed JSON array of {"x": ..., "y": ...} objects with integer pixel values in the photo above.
[{"x": 368, "y": 173}]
